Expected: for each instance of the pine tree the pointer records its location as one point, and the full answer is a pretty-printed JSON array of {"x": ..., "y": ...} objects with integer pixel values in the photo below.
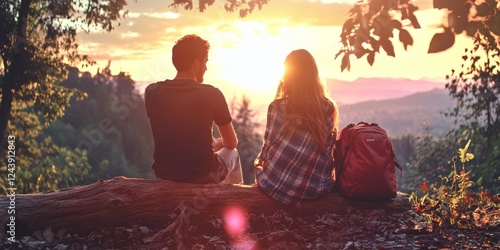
[{"x": 249, "y": 138}]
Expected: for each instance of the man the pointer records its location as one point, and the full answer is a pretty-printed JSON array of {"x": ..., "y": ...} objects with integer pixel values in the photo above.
[{"x": 181, "y": 112}]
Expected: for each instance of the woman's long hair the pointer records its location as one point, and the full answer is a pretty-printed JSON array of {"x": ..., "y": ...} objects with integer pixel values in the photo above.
[{"x": 305, "y": 94}]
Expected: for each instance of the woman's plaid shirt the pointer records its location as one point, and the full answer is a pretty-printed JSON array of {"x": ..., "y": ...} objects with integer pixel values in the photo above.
[{"x": 290, "y": 166}]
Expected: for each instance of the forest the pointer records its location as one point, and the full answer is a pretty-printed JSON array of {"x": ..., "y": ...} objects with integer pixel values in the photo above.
[
  {"x": 70, "y": 128},
  {"x": 107, "y": 133}
]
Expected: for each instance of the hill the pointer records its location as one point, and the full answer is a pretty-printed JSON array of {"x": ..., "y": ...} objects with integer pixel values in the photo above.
[
  {"x": 401, "y": 106},
  {"x": 366, "y": 89},
  {"x": 405, "y": 115}
]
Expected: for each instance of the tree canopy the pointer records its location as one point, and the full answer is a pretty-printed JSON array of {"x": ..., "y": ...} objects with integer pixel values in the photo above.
[
  {"x": 371, "y": 25},
  {"x": 475, "y": 87},
  {"x": 244, "y": 7},
  {"x": 37, "y": 40},
  {"x": 105, "y": 135},
  {"x": 249, "y": 137}
]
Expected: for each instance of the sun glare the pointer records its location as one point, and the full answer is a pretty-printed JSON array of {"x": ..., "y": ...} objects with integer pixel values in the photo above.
[
  {"x": 256, "y": 62},
  {"x": 235, "y": 221}
]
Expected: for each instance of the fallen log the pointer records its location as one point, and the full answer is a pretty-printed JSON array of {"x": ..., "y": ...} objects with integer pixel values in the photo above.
[{"x": 123, "y": 202}]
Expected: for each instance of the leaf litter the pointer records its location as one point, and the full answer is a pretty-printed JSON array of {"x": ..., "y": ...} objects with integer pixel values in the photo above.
[{"x": 364, "y": 229}]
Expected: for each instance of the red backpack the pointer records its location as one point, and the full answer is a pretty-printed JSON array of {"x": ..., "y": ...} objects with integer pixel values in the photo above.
[{"x": 365, "y": 164}]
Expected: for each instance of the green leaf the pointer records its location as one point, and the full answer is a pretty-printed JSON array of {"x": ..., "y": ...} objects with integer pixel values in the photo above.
[
  {"x": 466, "y": 148},
  {"x": 338, "y": 54},
  {"x": 412, "y": 17},
  {"x": 359, "y": 51},
  {"x": 376, "y": 5},
  {"x": 494, "y": 24},
  {"x": 348, "y": 26},
  {"x": 396, "y": 24},
  {"x": 371, "y": 58},
  {"x": 405, "y": 38},
  {"x": 346, "y": 64},
  {"x": 362, "y": 36},
  {"x": 483, "y": 9},
  {"x": 457, "y": 22},
  {"x": 471, "y": 29},
  {"x": 468, "y": 157},
  {"x": 404, "y": 13},
  {"x": 375, "y": 44},
  {"x": 441, "y": 41},
  {"x": 440, "y": 4},
  {"x": 388, "y": 47},
  {"x": 464, "y": 155},
  {"x": 356, "y": 9}
]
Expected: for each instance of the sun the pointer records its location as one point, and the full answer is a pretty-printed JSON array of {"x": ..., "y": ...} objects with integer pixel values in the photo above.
[{"x": 255, "y": 63}]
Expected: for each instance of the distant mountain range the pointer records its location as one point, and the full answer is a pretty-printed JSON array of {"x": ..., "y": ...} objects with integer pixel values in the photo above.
[
  {"x": 365, "y": 89},
  {"x": 401, "y": 106},
  {"x": 405, "y": 115}
]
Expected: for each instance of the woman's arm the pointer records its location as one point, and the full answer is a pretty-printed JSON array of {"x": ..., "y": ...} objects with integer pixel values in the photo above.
[{"x": 268, "y": 135}]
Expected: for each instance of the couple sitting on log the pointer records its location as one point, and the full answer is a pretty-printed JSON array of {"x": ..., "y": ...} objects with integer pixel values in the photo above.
[{"x": 296, "y": 159}]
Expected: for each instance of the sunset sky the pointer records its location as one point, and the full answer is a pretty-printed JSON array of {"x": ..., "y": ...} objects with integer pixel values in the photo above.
[{"x": 247, "y": 54}]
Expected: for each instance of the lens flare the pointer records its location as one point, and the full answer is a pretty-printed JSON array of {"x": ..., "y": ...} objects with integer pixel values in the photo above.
[{"x": 235, "y": 221}]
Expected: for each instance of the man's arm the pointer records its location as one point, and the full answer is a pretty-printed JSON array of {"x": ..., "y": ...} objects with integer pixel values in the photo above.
[{"x": 229, "y": 139}]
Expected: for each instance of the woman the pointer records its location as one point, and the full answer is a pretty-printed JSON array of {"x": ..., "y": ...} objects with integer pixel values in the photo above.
[{"x": 296, "y": 160}]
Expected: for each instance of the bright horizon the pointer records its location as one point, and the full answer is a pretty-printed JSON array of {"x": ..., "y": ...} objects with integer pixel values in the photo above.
[{"x": 247, "y": 54}]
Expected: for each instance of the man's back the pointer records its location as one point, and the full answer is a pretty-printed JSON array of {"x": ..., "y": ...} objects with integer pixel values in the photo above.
[{"x": 181, "y": 113}]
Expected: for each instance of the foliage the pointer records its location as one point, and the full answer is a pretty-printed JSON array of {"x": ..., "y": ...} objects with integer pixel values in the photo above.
[
  {"x": 37, "y": 38},
  {"x": 249, "y": 139},
  {"x": 40, "y": 164},
  {"x": 371, "y": 24},
  {"x": 478, "y": 19},
  {"x": 478, "y": 100},
  {"x": 105, "y": 135},
  {"x": 486, "y": 163},
  {"x": 428, "y": 160},
  {"x": 370, "y": 27},
  {"x": 451, "y": 203},
  {"x": 110, "y": 125},
  {"x": 244, "y": 7},
  {"x": 404, "y": 150},
  {"x": 476, "y": 90}
]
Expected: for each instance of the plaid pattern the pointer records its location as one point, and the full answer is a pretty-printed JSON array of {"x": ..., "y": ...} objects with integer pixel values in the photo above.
[{"x": 290, "y": 166}]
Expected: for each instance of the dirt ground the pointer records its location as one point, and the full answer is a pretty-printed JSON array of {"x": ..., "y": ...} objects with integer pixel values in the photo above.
[{"x": 370, "y": 229}]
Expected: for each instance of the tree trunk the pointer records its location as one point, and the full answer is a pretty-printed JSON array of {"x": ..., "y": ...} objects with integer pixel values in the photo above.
[
  {"x": 5, "y": 108},
  {"x": 15, "y": 72},
  {"x": 125, "y": 202}
]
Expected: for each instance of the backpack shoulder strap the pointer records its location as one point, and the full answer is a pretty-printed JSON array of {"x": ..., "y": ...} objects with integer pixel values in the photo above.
[
  {"x": 339, "y": 143},
  {"x": 398, "y": 165}
]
